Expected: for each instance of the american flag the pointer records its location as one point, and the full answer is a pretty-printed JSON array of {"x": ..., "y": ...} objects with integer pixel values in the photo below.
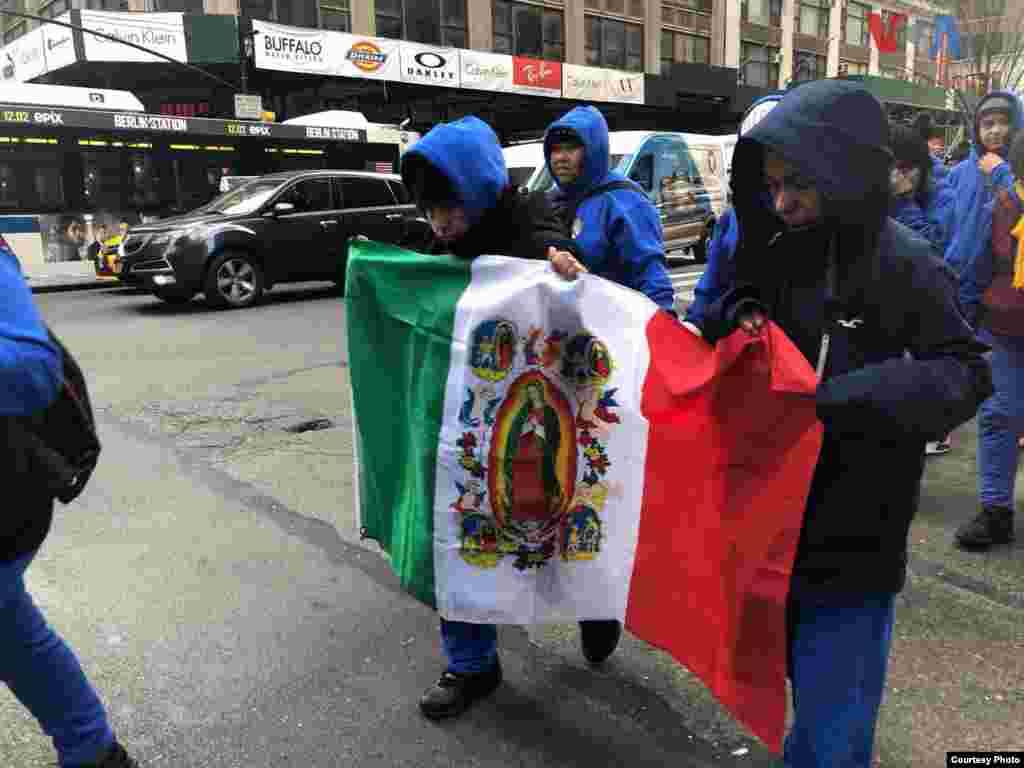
[{"x": 383, "y": 166}]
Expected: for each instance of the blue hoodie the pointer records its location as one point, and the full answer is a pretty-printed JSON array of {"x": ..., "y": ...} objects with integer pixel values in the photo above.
[
  {"x": 721, "y": 266},
  {"x": 618, "y": 231},
  {"x": 30, "y": 366},
  {"x": 970, "y": 250},
  {"x": 468, "y": 153}
]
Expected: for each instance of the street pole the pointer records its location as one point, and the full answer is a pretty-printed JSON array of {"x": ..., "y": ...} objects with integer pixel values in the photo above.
[{"x": 44, "y": 20}]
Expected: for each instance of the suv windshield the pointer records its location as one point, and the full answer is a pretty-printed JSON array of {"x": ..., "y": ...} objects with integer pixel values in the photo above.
[{"x": 244, "y": 199}]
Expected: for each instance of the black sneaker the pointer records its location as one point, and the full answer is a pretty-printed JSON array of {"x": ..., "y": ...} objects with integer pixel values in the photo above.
[
  {"x": 116, "y": 757},
  {"x": 453, "y": 693},
  {"x": 992, "y": 526},
  {"x": 599, "y": 639}
]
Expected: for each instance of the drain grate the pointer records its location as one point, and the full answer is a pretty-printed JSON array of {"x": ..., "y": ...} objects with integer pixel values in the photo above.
[{"x": 313, "y": 425}]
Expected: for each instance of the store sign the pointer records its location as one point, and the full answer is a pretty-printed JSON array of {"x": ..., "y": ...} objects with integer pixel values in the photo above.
[
  {"x": 106, "y": 121},
  {"x": 59, "y": 44},
  {"x": 625, "y": 87},
  {"x": 23, "y": 59},
  {"x": 599, "y": 84},
  {"x": 486, "y": 71},
  {"x": 426, "y": 65},
  {"x": 369, "y": 57},
  {"x": 161, "y": 32},
  {"x": 291, "y": 49},
  {"x": 542, "y": 78}
]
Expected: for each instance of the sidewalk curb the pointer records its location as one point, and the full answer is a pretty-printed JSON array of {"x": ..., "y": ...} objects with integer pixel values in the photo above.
[{"x": 64, "y": 287}]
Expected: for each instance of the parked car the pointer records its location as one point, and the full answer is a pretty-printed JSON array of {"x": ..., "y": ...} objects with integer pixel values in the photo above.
[
  {"x": 285, "y": 227},
  {"x": 684, "y": 175}
]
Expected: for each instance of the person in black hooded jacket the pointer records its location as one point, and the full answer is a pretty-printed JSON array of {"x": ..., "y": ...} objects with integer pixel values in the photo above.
[{"x": 874, "y": 310}]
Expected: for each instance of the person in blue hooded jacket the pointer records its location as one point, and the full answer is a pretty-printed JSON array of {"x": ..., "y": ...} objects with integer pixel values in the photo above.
[
  {"x": 35, "y": 663},
  {"x": 456, "y": 175},
  {"x": 983, "y": 175},
  {"x": 616, "y": 227},
  {"x": 920, "y": 202},
  {"x": 718, "y": 272},
  {"x": 854, "y": 291}
]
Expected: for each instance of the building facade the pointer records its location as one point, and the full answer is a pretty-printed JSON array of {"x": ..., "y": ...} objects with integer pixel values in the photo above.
[{"x": 714, "y": 54}]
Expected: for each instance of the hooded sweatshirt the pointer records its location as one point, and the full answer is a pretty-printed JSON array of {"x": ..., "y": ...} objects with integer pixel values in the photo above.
[
  {"x": 901, "y": 366},
  {"x": 502, "y": 221},
  {"x": 718, "y": 272},
  {"x": 617, "y": 231},
  {"x": 970, "y": 249},
  {"x": 30, "y": 375}
]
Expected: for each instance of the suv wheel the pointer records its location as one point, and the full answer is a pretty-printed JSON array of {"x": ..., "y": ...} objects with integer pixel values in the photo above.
[{"x": 234, "y": 281}]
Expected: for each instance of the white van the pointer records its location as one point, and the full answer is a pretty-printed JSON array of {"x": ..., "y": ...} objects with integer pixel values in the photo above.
[
  {"x": 685, "y": 176},
  {"x": 524, "y": 162}
]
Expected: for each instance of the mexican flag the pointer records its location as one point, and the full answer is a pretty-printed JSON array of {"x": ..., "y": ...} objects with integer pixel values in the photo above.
[{"x": 536, "y": 450}]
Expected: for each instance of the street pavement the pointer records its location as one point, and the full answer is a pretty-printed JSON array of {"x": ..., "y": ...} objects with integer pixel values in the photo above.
[{"x": 214, "y": 584}]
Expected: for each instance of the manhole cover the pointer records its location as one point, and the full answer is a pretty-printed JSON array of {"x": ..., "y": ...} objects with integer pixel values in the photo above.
[{"x": 313, "y": 425}]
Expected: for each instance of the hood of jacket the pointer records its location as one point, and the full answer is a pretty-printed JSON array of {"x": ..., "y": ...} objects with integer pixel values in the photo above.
[
  {"x": 469, "y": 155},
  {"x": 590, "y": 127},
  {"x": 1015, "y": 120},
  {"x": 836, "y": 134}
]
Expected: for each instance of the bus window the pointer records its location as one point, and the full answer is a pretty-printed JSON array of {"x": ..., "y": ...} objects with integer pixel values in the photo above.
[
  {"x": 295, "y": 159},
  {"x": 198, "y": 169},
  {"x": 102, "y": 180},
  {"x": 30, "y": 178}
]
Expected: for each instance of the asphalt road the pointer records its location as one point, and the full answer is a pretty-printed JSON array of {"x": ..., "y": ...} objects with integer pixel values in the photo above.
[{"x": 214, "y": 585}]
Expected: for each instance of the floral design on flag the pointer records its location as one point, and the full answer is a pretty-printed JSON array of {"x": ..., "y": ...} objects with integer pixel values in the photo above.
[{"x": 540, "y": 412}]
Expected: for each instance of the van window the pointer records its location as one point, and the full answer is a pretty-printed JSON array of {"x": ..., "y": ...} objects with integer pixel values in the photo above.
[
  {"x": 707, "y": 162},
  {"x": 519, "y": 176},
  {"x": 643, "y": 172}
]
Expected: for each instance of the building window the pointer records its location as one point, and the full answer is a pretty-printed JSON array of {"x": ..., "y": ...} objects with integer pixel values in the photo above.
[
  {"x": 434, "y": 22},
  {"x": 678, "y": 46},
  {"x": 924, "y": 33},
  {"x": 813, "y": 18},
  {"x": 767, "y": 13},
  {"x": 14, "y": 32},
  {"x": 808, "y": 66},
  {"x": 857, "y": 32},
  {"x": 336, "y": 15},
  {"x": 759, "y": 65},
  {"x": 696, "y": 5},
  {"x": 528, "y": 30},
  {"x": 853, "y": 68},
  {"x": 54, "y": 9},
  {"x": 183, "y": 6},
  {"x": 613, "y": 43}
]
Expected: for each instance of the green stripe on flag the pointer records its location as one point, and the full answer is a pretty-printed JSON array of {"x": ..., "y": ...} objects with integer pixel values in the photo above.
[{"x": 400, "y": 313}]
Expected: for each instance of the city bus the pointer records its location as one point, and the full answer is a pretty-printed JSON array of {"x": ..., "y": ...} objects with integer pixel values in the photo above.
[{"x": 80, "y": 165}]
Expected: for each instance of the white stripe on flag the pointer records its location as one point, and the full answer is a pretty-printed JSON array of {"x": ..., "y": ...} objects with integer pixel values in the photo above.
[{"x": 529, "y": 295}]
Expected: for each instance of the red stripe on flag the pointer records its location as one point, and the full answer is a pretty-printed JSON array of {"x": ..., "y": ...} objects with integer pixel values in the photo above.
[{"x": 732, "y": 447}]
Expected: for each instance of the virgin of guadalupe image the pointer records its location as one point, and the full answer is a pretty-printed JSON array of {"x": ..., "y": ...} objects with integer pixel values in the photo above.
[{"x": 533, "y": 492}]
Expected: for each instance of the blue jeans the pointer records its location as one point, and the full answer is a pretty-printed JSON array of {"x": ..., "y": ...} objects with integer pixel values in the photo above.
[
  {"x": 469, "y": 647},
  {"x": 45, "y": 676},
  {"x": 1001, "y": 421},
  {"x": 838, "y": 653}
]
